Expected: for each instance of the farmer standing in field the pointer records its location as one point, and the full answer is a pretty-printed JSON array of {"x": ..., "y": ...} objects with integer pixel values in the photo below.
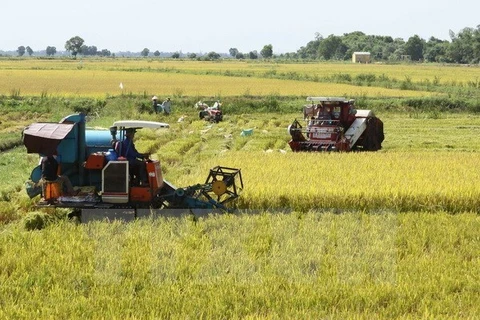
[
  {"x": 155, "y": 104},
  {"x": 166, "y": 106}
]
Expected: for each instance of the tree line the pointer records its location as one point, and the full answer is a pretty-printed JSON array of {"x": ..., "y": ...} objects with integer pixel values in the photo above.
[
  {"x": 464, "y": 48},
  {"x": 74, "y": 46}
]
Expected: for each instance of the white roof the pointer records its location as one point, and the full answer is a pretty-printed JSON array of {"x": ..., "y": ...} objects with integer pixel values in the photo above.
[
  {"x": 362, "y": 52},
  {"x": 140, "y": 124},
  {"x": 341, "y": 99}
]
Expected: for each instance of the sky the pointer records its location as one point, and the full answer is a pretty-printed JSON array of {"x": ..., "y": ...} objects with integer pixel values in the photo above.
[{"x": 202, "y": 26}]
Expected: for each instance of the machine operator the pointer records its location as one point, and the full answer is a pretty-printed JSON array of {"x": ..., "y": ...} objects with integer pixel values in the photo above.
[{"x": 129, "y": 151}]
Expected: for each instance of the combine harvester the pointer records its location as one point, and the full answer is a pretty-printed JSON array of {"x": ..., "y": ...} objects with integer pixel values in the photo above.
[
  {"x": 104, "y": 184},
  {"x": 333, "y": 124}
]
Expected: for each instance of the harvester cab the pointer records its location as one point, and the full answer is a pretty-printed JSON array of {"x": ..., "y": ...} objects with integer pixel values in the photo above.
[
  {"x": 103, "y": 181},
  {"x": 334, "y": 124}
]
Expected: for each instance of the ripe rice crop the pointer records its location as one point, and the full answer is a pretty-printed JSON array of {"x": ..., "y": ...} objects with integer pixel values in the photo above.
[
  {"x": 409, "y": 257},
  {"x": 441, "y": 74},
  {"x": 299, "y": 266},
  {"x": 397, "y": 181},
  {"x": 416, "y": 72},
  {"x": 100, "y": 78},
  {"x": 101, "y": 83}
]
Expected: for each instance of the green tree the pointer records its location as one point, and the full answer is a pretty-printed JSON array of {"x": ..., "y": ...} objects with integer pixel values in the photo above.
[
  {"x": 192, "y": 55},
  {"x": 145, "y": 52},
  {"x": 74, "y": 45},
  {"x": 239, "y": 56},
  {"x": 387, "y": 50},
  {"x": 212, "y": 55},
  {"x": 267, "y": 51},
  {"x": 476, "y": 45},
  {"x": 156, "y": 53},
  {"x": 105, "y": 53},
  {"x": 29, "y": 51},
  {"x": 332, "y": 48},
  {"x": 414, "y": 48},
  {"x": 176, "y": 55},
  {"x": 89, "y": 50},
  {"x": 465, "y": 46},
  {"x": 21, "y": 51},
  {"x": 253, "y": 54},
  {"x": 50, "y": 51},
  {"x": 435, "y": 50},
  {"x": 357, "y": 41},
  {"x": 233, "y": 52},
  {"x": 342, "y": 47},
  {"x": 310, "y": 51}
]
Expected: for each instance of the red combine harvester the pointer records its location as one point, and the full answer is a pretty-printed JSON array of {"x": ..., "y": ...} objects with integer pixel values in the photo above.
[{"x": 333, "y": 124}]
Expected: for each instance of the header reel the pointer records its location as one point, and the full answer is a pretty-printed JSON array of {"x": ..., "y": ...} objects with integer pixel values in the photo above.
[{"x": 222, "y": 185}]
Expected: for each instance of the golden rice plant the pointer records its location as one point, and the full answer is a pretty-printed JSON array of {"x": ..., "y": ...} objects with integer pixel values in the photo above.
[
  {"x": 434, "y": 73},
  {"x": 400, "y": 181},
  {"x": 313, "y": 266},
  {"x": 101, "y": 83}
]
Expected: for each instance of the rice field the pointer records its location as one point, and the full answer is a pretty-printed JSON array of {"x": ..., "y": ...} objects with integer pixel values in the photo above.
[
  {"x": 101, "y": 78},
  {"x": 389, "y": 234},
  {"x": 404, "y": 266},
  {"x": 416, "y": 72},
  {"x": 102, "y": 83},
  {"x": 413, "y": 171},
  {"x": 424, "y": 181}
]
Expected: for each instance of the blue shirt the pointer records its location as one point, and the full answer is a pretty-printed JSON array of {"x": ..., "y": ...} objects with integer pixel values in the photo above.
[{"x": 129, "y": 151}]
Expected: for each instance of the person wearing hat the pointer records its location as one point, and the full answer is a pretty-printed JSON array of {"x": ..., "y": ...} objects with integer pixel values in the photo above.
[
  {"x": 166, "y": 106},
  {"x": 155, "y": 104},
  {"x": 129, "y": 151}
]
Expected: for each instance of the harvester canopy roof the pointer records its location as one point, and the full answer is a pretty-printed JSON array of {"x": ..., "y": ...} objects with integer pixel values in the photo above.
[
  {"x": 328, "y": 99},
  {"x": 138, "y": 124},
  {"x": 45, "y": 137}
]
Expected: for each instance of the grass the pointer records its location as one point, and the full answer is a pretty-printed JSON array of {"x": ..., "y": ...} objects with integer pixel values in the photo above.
[
  {"x": 15, "y": 167},
  {"x": 412, "y": 265}
]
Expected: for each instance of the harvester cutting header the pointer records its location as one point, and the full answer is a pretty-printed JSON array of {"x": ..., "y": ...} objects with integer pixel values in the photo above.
[
  {"x": 103, "y": 180},
  {"x": 333, "y": 124}
]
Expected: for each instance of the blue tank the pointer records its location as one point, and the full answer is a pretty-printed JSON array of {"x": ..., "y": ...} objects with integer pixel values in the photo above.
[{"x": 97, "y": 141}]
